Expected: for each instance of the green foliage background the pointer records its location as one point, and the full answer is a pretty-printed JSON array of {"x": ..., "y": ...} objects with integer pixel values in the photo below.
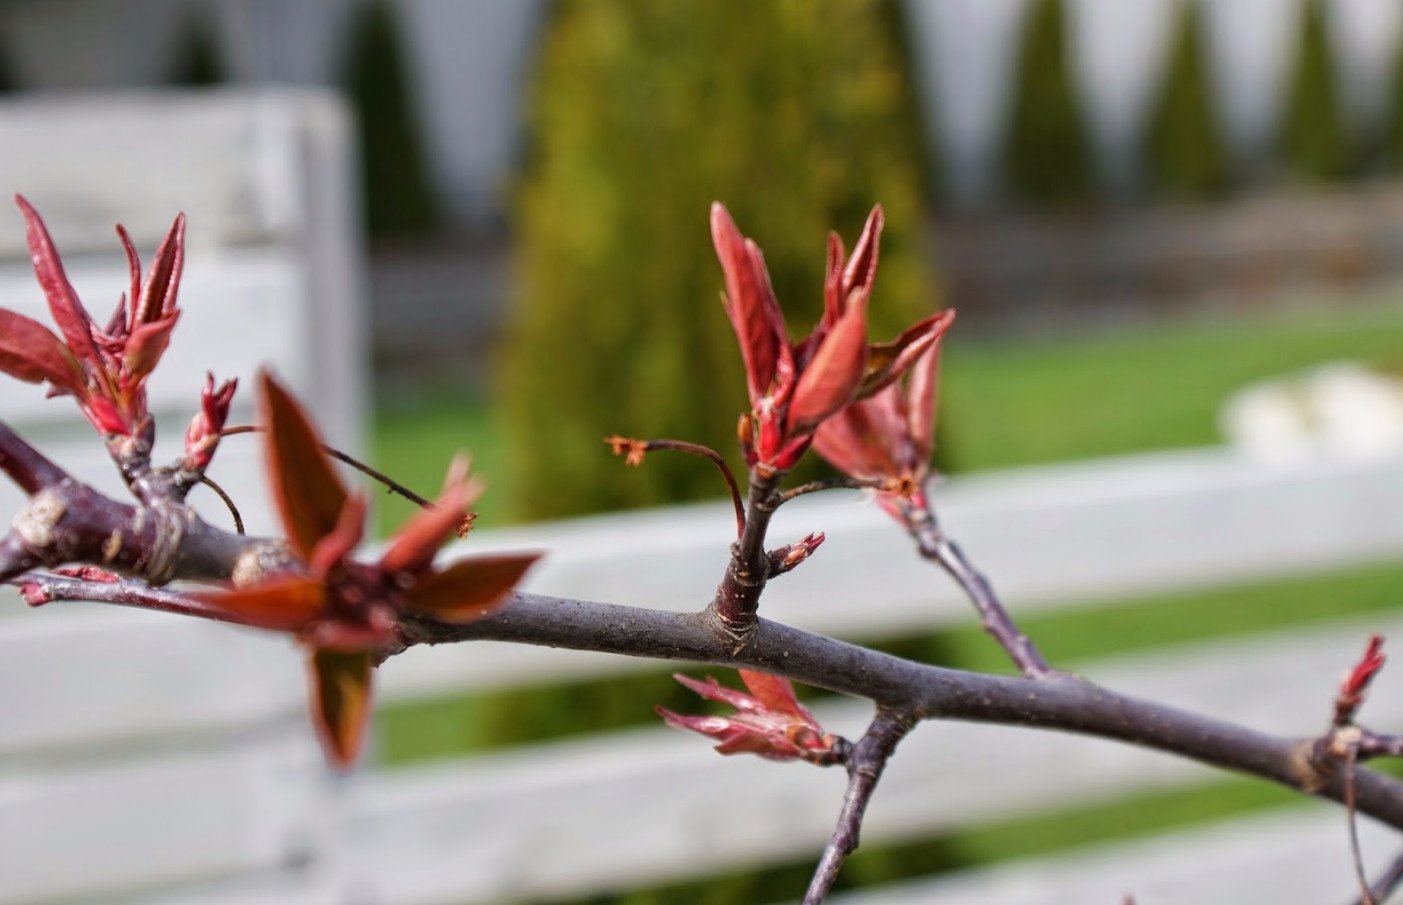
[
  {"x": 1184, "y": 153},
  {"x": 1313, "y": 141},
  {"x": 799, "y": 116}
]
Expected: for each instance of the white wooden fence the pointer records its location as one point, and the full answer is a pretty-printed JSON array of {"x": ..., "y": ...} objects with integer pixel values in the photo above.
[
  {"x": 148, "y": 759},
  {"x": 273, "y": 269}
]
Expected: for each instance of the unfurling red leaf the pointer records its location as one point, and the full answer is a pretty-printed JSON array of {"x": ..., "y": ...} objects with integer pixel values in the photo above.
[
  {"x": 340, "y": 699},
  {"x": 750, "y": 303},
  {"x": 68, "y": 312},
  {"x": 886, "y": 362},
  {"x": 774, "y": 692},
  {"x": 344, "y": 538},
  {"x": 306, "y": 488},
  {"x": 147, "y": 344},
  {"x": 469, "y": 588},
  {"x": 30, "y": 351},
  {"x": 829, "y": 381},
  {"x": 282, "y": 604},
  {"x": 158, "y": 292}
]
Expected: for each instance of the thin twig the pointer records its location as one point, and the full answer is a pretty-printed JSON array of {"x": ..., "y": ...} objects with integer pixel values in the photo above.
[
  {"x": 25, "y": 465},
  {"x": 40, "y": 588},
  {"x": 836, "y": 482},
  {"x": 1366, "y": 895},
  {"x": 935, "y": 546},
  {"x": 228, "y": 501},
  {"x": 633, "y": 450},
  {"x": 865, "y": 765},
  {"x": 1385, "y": 885},
  {"x": 390, "y": 483}
]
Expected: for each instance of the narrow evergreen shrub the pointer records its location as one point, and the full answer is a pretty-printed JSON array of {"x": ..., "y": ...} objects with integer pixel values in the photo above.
[
  {"x": 397, "y": 188},
  {"x": 1046, "y": 155},
  {"x": 196, "y": 61},
  {"x": 1313, "y": 143},
  {"x": 798, "y": 115},
  {"x": 1183, "y": 152},
  {"x": 1392, "y": 133}
]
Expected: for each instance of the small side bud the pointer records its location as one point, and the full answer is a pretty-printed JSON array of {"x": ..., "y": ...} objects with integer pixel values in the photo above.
[
  {"x": 784, "y": 559},
  {"x": 1355, "y": 683},
  {"x": 202, "y": 436}
]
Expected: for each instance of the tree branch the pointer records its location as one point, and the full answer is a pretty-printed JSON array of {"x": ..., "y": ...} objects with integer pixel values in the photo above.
[
  {"x": 866, "y": 762},
  {"x": 25, "y": 465},
  {"x": 1060, "y": 702},
  {"x": 738, "y": 595}
]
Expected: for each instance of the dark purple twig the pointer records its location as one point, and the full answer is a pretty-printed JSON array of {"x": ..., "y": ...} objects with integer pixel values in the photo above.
[
  {"x": 837, "y": 482},
  {"x": 866, "y": 762},
  {"x": 228, "y": 502},
  {"x": 389, "y": 483},
  {"x": 935, "y": 546},
  {"x": 634, "y": 450},
  {"x": 1385, "y": 885},
  {"x": 738, "y": 595},
  {"x": 39, "y": 588},
  {"x": 1356, "y": 855},
  {"x": 25, "y": 465}
]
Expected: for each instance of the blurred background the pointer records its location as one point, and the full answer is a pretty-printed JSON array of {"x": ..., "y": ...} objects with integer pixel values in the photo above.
[{"x": 1171, "y": 416}]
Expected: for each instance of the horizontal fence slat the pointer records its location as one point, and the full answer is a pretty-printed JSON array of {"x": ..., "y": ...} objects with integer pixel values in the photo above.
[
  {"x": 89, "y": 681},
  {"x": 1285, "y": 858},
  {"x": 651, "y": 805},
  {"x": 93, "y": 831}
]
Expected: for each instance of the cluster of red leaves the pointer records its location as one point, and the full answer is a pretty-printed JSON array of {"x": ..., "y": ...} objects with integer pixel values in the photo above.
[
  {"x": 794, "y": 387},
  {"x": 769, "y": 721},
  {"x": 346, "y": 612},
  {"x": 103, "y": 368}
]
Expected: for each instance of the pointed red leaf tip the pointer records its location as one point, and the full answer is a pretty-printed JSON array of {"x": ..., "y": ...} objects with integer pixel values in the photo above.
[
  {"x": 68, "y": 312},
  {"x": 340, "y": 702},
  {"x": 202, "y": 436},
  {"x": 29, "y": 351},
  {"x": 769, "y": 722},
  {"x": 750, "y": 303},
  {"x": 1356, "y": 681},
  {"x": 308, "y": 493},
  {"x": 415, "y": 544},
  {"x": 162, "y": 284},
  {"x": 471, "y": 588},
  {"x": 887, "y": 362}
]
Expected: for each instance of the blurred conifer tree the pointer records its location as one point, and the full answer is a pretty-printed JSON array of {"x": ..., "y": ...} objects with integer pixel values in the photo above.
[
  {"x": 197, "y": 61},
  {"x": 1046, "y": 157},
  {"x": 397, "y": 187},
  {"x": 1184, "y": 154},
  {"x": 799, "y": 116},
  {"x": 1313, "y": 143}
]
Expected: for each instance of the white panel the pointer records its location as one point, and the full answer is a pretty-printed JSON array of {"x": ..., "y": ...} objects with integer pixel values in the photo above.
[
  {"x": 1287, "y": 858},
  {"x": 641, "y": 807},
  {"x": 95, "y": 831},
  {"x": 87, "y": 677}
]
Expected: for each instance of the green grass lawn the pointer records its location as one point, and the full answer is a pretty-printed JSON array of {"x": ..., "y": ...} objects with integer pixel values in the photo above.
[{"x": 1004, "y": 402}]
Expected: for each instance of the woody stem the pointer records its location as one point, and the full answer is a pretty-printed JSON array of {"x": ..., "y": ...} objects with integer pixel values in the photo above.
[{"x": 935, "y": 546}]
